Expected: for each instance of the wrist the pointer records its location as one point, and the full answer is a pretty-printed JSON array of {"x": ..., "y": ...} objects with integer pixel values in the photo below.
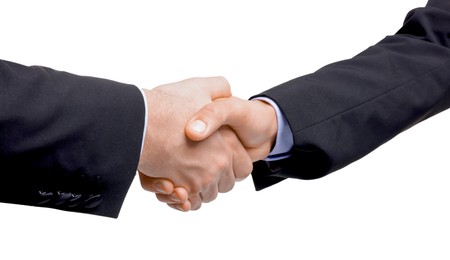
[
  {"x": 269, "y": 125},
  {"x": 144, "y": 131},
  {"x": 284, "y": 140},
  {"x": 149, "y": 99}
]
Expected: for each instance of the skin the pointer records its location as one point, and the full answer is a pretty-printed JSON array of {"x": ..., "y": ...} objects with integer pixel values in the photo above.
[
  {"x": 254, "y": 122},
  {"x": 197, "y": 171}
]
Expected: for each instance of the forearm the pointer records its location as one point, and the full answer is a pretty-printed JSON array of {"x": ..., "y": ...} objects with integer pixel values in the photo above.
[
  {"x": 347, "y": 109},
  {"x": 65, "y": 133}
]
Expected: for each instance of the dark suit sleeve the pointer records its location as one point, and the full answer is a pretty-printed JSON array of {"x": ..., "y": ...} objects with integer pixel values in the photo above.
[
  {"x": 347, "y": 109},
  {"x": 66, "y": 141}
]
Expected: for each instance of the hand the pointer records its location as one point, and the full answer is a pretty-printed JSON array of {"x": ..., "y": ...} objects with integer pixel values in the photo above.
[
  {"x": 175, "y": 197},
  {"x": 202, "y": 168},
  {"x": 254, "y": 122}
]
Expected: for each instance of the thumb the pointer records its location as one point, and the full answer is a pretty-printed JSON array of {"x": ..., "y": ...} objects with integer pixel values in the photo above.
[{"x": 226, "y": 111}]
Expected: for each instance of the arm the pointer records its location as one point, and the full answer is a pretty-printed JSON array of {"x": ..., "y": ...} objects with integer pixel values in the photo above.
[
  {"x": 74, "y": 143},
  {"x": 347, "y": 109},
  {"x": 66, "y": 141}
]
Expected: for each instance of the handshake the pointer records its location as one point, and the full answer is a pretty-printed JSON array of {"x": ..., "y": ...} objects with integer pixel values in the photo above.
[{"x": 200, "y": 140}]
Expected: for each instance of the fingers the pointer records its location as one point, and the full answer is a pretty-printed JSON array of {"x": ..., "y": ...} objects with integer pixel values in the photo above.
[
  {"x": 229, "y": 111},
  {"x": 175, "y": 197},
  {"x": 226, "y": 183},
  {"x": 181, "y": 207},
  {"x": 193, "y": 203},
  {"x": 196, "y": 201},
  {"x": 178, "y": 196},
  {"x": 211, "y": 194},
  {"x": 242, "y": 164},
  {"x": 156, "y": 185},
  {"x": 177, "y": 200}
]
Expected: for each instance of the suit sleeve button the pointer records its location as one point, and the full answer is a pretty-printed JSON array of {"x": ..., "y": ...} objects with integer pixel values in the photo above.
[
  {"x": 74, "y": 200},
  {"x": 62, "y": 197},
  {"x": 44, "y": 197},
  {"x": 93, "y": 201}
]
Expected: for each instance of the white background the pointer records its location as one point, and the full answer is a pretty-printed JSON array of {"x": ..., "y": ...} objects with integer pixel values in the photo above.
[{"x": 392, "y": 204}]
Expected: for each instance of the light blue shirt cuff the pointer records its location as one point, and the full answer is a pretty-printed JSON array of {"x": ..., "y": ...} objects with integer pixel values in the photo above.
[{"x": 285, "y": 138}]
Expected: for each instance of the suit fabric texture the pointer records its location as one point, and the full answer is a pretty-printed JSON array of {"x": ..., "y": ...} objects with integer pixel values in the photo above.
[
  {"x": 66, "y": 141},
  {"x": 345, "y": 110}
]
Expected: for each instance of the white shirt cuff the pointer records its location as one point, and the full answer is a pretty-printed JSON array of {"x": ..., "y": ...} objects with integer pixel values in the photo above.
[{"x": 145, "y": 122}]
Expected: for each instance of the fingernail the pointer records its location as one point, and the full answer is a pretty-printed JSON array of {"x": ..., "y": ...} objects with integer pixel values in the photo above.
[
  {"x": 180, "y": 208},
  {"x": 177, "y": 207},
  {"x": 159, "y": 187},
  {"x": 198, "y": 126},
  {"x": 174, "y": 199}
]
